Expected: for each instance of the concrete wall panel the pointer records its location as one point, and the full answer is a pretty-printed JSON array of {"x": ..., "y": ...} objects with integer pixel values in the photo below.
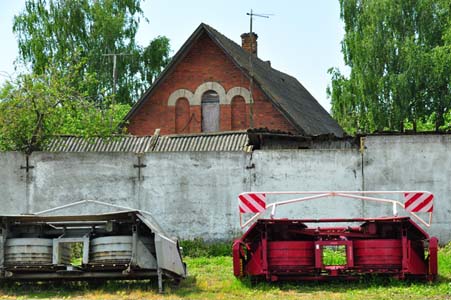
[
  {"x": 194, "y": 194},
  {"x": 62, "y": 178},
  {"x": 413, "y": 162},
  {"x": 309, "y": 170},
  {"x": 13, "y": 182}
]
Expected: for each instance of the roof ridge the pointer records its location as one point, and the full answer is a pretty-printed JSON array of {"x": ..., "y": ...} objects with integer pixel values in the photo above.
[{"x": 254, "y": 57}]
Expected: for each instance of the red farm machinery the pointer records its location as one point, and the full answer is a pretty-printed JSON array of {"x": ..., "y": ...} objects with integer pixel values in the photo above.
[{"x": 278, "y": 249}]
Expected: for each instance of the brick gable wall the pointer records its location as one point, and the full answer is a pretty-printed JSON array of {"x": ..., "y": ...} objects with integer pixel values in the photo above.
[{"x": 204, "y": 62}]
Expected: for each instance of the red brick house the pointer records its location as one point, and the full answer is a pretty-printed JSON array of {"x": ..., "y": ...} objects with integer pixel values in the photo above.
[{"x": 206, "y": 88}]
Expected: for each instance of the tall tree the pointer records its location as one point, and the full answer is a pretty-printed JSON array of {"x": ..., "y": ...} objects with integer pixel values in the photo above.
[
  {"x": 51, "y": 31},
  {"x": 399, "y": 61},
  {"x": 35, "y": 107}
]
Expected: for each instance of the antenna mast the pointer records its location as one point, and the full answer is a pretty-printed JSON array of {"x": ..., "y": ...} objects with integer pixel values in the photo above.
[{"x": 251, "y": 70}]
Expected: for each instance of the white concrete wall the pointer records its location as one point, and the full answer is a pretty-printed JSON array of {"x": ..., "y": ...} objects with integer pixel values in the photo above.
[
  {"x": 14, "y": 190},
  {"x": 194, "y": 194},
  {"x": 413, "y": 162},
  {"x": 62, "y": 178}
]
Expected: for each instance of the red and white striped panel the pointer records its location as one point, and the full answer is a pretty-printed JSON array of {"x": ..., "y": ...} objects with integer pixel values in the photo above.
[
  {"x": 419, "y": 202},
  {"x": 252, "y": 202}
]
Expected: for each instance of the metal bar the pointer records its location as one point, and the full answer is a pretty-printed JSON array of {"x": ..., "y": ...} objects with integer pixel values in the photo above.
[
  {"x": 125, "y": 208},
  {"x": 273, "y": 211},
  {"x": 160, "y": 280},
  {"x": 265, "y": 253},
  {"x": 85, "y": 259},
  {"x": 61, "y": 207},
  {"x": 81, "y": 275},
  {"x": 394, "y": 203},
  {"x": 302, "y": 199},
  {"x": 55, "y": 257},
  {"x": 282, "y": 203},
  {"x": 250, "y": 220},
  {"x": 344, "y": 194},
  {"x": 421, "y": 220},
  {"x": 134, "y": 258}
]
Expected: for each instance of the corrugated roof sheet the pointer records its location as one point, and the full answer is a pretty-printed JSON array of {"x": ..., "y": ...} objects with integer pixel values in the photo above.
[
  {"x": 236, "y": 141},
  {"x": 95, "y": 144},
  {"x": 227, "y": 141}
]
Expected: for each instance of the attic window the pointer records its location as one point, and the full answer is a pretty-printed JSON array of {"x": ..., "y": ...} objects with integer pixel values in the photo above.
[{"x": 210, "y": 111}]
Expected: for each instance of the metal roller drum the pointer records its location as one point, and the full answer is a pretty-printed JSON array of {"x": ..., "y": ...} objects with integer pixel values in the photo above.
[
  {"x": 28, "y": 251},
  {"x": 111, "y": 249},
  {"x": 291, "y": 254},
  {"x": 382, "y": 252}
]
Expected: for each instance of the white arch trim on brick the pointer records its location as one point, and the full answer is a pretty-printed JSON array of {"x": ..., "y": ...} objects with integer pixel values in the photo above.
[
  {"x": 180, "y": 93},
  {"x": 238, "y": 91},
  {"x": 207, "y": 86}
]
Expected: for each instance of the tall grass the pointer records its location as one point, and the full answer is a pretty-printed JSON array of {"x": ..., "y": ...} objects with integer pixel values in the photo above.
[{"x": 199, "y": 248}]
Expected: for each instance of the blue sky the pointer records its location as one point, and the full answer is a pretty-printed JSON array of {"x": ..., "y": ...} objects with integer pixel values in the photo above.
[{"x": 302, "y": 38}]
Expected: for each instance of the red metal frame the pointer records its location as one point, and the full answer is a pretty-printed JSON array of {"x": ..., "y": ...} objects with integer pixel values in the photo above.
[{"x": 288, "y": 249}]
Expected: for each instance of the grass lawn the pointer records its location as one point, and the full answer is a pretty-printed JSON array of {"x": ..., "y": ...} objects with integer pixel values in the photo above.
[{"x": 212, "y": 278}]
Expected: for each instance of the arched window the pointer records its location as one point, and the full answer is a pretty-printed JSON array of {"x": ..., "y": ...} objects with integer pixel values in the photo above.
[
  {"x": 182, "y": 116},
  {"x": 239, "y": 115},
  {"x": 210, "y": 111}
]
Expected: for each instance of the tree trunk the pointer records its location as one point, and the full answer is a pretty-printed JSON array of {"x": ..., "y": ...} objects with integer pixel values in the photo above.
[{"x": 439, "y": 120}]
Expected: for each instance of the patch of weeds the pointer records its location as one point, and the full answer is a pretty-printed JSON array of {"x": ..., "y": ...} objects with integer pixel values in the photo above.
[
  {"x": 200, "y": 248},
  {"x": 444, "y": 261},
  {"x": 334, "y": 255}
]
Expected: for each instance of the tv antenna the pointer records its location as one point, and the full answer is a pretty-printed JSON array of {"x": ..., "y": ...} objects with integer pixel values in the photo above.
[{"x": 251, "y": 71}]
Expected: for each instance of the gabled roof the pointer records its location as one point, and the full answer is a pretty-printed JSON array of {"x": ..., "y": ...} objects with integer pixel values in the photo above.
[{"x": 286, "y": 92}]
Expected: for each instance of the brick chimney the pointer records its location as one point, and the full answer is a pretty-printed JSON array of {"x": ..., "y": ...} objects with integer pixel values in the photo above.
[{"x": 246, "y": 39}]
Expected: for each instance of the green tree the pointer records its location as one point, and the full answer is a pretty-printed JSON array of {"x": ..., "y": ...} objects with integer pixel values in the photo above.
[
  {"x": 35, "y": 107},
  {"x": 54, "y": 34},
  {"x": 399, "y": 63}
]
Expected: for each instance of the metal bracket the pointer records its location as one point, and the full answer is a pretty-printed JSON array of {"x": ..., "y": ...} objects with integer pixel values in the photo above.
[
  {"x": 134, "y": 258},
  {"x": 160, "y": 280},
  {"x": 56, "y": 247},
  {"x": 27, "y": 166},
  {"x": 139, "y": 166}
]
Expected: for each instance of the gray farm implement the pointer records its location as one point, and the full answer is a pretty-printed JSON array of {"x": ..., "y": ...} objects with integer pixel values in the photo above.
[{"x": 126, "y": 244}]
